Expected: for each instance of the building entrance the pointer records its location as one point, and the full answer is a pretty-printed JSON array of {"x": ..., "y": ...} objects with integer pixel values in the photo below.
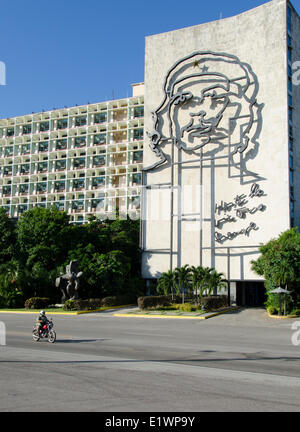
[{"x": 250, "y": 294}]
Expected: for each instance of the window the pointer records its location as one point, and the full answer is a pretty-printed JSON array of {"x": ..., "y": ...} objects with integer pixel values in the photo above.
[
  {"x": 43, "y": 146},
  {"x": 80, "y": 121},
  {"x": 100, "y": 118},
  {"x": 100, "y": 139},
  {"x": 44, "y": 126},
  {"x": 98, "y": 181},
  {"x": 137, "y": 178},
  {"x": 41, "y": 187},
  {"x": 61, "y": 144},
  {"x": 62, "y": 124},
  {"x": 138, "y": 134},
  {"x": 10, "y": 132},
  {"x": 98, "y": 160},
  {"x": 138, "y": 112},
  {"x": 59, "y": 186},
  {"x": 80, "y": 141},
  {"x": 138, "y": 156},
  {"x": 79, "y": 162},
  {"x": 24, "y": 169},
  {"x": 26, "y": 129},
  {"x": 6, "y": 190},
  {"x": 60, "y": 165},
  {"x": 42, "y": 166},
  {"x": 25, "y": 149},
  {"x": 78, "y": 184},
  {"x": 9, "y": 151},
  {"x": 23, "y": 188}
]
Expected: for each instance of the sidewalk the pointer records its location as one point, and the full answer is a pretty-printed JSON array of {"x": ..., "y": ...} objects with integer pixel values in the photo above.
[{"x": 137, "y": 313}]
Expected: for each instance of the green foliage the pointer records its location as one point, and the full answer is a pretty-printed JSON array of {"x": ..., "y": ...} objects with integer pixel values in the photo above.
[
  {"x": 35, "y": 251},
  {"x": 279, "y": 264},
  {"x": 186, "y": 307},
  {"x": 37, "y": 303},
  {"x": 7, "y": 237},
  {"x": 214, "y": 302},
  {"x": 150, "y": 302},
  {"x": 194, "y": 281}
]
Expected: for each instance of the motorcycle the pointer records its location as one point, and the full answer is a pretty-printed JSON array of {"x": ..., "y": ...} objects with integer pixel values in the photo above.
[{"x": 46, "y": 332}]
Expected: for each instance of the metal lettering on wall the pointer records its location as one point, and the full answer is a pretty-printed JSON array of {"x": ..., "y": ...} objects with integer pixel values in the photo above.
[{"x": 241, "y": 211}]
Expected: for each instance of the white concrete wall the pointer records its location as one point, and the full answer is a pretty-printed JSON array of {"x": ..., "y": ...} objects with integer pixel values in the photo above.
[{"x": 257, "y": 38}]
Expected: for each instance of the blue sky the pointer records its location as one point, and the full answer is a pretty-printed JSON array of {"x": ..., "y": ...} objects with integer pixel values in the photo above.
[{"x": 66, "y": 52}]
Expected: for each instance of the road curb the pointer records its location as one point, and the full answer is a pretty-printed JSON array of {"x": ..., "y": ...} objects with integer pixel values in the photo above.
[{"x": 48, "y": 312}]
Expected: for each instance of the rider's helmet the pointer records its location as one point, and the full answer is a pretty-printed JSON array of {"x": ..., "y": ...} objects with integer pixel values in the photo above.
[{"x": 42, "y": 312}]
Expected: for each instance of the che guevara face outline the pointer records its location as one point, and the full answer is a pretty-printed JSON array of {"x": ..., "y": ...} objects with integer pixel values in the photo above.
[
  {"x": 197, "y": 82},
  {"x": 196, "y": 113}
]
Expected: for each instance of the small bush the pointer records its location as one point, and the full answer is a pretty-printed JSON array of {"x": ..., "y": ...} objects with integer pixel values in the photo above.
[
  {"x": 37, "y": 303},
  {"x": 151, "y": 302},
  {"x": 214, "y": 302},
  {"x": 117, "y": 300},
  {"x": 272, "y": 310},
  {"x": 295, "y": 312},
  {"x": 186, "y": 307},
  {"x": 79, "y": 304}
]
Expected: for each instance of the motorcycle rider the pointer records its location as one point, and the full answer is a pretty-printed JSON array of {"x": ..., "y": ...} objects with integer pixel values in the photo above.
[{"x": 41, "y": 321}]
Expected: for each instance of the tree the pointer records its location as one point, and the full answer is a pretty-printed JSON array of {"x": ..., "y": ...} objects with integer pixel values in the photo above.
[
  {"x": 279, "y": 264},
  {"x": 182, "y": 279},
  {"x": 7, "y": 237},
  {"x": 165, "y": 283},
  {"x": 214, "y": 281}
]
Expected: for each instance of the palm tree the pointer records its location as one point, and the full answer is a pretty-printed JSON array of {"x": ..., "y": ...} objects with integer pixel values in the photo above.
[
  {"x": 166, "y": 283},
  {"x": 182, "y": 279},
  {"x": 205, "y": 278},
  {"x": 215, "y": 281},
  {"x": 197, "y": 274}
]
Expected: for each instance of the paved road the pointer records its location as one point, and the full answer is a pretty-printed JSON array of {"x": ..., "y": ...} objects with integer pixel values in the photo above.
[{"x": 242, "y": 361}]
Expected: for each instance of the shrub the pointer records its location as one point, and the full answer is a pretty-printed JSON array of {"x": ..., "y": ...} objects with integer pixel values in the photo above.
[
  {"x": 37, "y": 302},
  {"x": 214, "y": 302},
  {"x": 117, "y": 300},
  {"x": 150, "y": 302},
  {"x": 295, "y": 312},
  {"x": 272, "y": 310},
  {"x": 186, "y": 307},
  {"x": 80, "y": 304}
]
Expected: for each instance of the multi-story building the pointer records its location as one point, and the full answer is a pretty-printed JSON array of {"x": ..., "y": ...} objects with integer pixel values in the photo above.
[
  {"x": 222, "y": 144},
  {"x": 85, "y": 160}
]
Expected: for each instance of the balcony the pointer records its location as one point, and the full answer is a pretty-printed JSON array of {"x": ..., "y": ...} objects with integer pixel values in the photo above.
[
  {"x": 99, "y": 139},
  {"x": 60, "y": 186}
]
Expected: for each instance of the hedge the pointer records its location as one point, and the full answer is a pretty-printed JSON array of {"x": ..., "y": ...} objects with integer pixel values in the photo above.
[
  {"x": 214, "y": 302},
  {"x": 153, "y": 302},
  {"x": 91, "y": 304},
  {"x": 37, "y": 303}
]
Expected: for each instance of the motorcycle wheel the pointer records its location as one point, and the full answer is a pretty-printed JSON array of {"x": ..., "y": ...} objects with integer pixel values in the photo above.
[
  {"x": 35, "y": 336},
  {"x": 52, "y": 336}
]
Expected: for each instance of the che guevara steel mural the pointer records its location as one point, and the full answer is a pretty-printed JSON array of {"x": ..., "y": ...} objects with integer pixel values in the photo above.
[{"x": 210, "y": 108}]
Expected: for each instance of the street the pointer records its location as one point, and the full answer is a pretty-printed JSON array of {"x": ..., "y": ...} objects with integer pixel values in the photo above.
[{"x": 240, "y": 361}]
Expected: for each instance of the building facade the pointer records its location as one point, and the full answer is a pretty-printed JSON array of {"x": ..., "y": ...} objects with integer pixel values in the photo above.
[
  {"x": 222, "y": 141},
  {"x": 86, "y": 160}
]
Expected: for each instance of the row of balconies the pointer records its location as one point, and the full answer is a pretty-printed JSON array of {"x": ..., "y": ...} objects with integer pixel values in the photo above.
[
  {"x": 60, "y": 186},
  {"x": 69, "y": 122},
  {"x": 78, "y": 205},
  {"x": 92, "y": 140},
  {"x": 69, "y": 164}
]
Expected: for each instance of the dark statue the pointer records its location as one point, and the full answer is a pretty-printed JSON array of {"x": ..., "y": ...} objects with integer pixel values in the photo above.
[{"x": 69, "y": 282}]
